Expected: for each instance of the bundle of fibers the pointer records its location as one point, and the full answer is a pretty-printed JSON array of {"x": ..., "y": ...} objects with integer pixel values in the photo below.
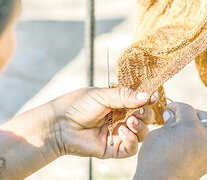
[{"x": 170, "y": 34}]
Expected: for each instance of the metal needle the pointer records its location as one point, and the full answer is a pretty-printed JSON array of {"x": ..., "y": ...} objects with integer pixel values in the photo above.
[
  {"x": 108, "y": 67},
  {"x": 108, "y": 74},
  {"x": 158, "y": 100}
]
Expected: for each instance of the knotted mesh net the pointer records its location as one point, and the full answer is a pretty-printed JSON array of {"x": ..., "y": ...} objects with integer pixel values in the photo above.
[{"x": 170, "y": 34}]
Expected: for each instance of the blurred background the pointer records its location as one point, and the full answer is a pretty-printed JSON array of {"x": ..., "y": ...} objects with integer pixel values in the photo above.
[{"x": 51, "y": 60}]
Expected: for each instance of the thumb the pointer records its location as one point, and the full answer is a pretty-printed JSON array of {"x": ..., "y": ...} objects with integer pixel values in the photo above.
[
  {"x": 202, "y": 115},
  {"x": 120, "y": 97},
  {"x": 183, "y": 112}
]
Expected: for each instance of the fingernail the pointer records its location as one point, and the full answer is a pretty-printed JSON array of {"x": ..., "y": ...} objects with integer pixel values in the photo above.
[
  {"x": 125, "y": 130},
  {"x": 166, "y": 116},
  {"x": 135, "y": 122},
  {"x": 156, "y": 94},
  {"x": 141, "y": 111},
  {"x": 142, "y": 96}
]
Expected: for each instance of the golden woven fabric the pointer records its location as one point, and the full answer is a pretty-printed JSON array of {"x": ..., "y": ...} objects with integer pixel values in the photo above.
[
  {"x": 201, "y": 63},
  {"x": 170, "y": 34}
]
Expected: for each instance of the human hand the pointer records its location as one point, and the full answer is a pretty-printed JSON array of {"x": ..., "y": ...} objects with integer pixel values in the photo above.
[
  {"x": 72, "y": 124},
  {"x": 81, "y": 122},
  {"x": 178, "y": 150}
]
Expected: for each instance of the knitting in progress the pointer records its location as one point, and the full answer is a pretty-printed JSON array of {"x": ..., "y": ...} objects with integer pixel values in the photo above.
[{"x": 170, "y": 34}]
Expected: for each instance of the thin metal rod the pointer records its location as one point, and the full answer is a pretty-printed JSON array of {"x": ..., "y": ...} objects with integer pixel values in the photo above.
[
  {"x": 109, "y": 83},
  {"x": 90, "y": 37},
  {"x": 158, "y": 100},
  {"x": 108, "y": 67}
]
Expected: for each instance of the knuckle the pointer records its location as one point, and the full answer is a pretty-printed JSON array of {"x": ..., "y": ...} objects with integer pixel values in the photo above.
[
  {"x": 147, "y": 115},
  {"x": 133, "y": 150},
  {"x": 141, "y": 139},
  {"x": 142, "y": 128},
  {"x": 142, "y": 134}
]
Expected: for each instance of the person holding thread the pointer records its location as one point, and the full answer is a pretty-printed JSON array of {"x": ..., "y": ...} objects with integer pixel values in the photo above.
[{"x": 75, "y": 124}]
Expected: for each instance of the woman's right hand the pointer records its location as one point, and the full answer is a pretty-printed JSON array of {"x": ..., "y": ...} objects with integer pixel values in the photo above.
[
  {"x": 178, "y": 150},
  {"x": 82, "y": 129}
]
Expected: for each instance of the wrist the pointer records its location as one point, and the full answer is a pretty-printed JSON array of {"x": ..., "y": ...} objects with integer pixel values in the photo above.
[
  {"x": 62, "y": 129},
  {"x": 26, "y": 141},
  {"x": 50, "y": 128},
  {"x": 68, "y": 134}
]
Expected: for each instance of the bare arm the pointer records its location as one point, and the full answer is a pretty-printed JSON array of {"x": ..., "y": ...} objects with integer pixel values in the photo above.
[
  {"x": 72, "y": 124},
  {"x": 25, "y": 145}
]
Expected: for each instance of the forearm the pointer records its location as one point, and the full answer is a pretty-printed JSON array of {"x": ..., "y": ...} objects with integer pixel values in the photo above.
[{"x": 26, "y": 143}]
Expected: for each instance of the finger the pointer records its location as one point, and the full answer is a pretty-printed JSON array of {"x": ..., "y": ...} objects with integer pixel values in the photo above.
[
  {"x": 183, "y": 112},
  {"x": 146, "y": 114},
  {"x": 119, "y": 97},
  {"x": 138, "y": 127},
  {"x": 129, "y": 144},
  {"x": 153, "y": 98},
  {"x": 202, "y": 115}
]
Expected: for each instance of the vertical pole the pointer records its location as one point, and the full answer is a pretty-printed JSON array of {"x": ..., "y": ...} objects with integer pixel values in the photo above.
[
  {"x": 90, "y": 169},
  {"x": 90, "y": 37}
]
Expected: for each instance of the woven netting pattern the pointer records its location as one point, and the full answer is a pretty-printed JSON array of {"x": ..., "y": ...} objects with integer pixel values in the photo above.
[{"x": 170, "y": 34}]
